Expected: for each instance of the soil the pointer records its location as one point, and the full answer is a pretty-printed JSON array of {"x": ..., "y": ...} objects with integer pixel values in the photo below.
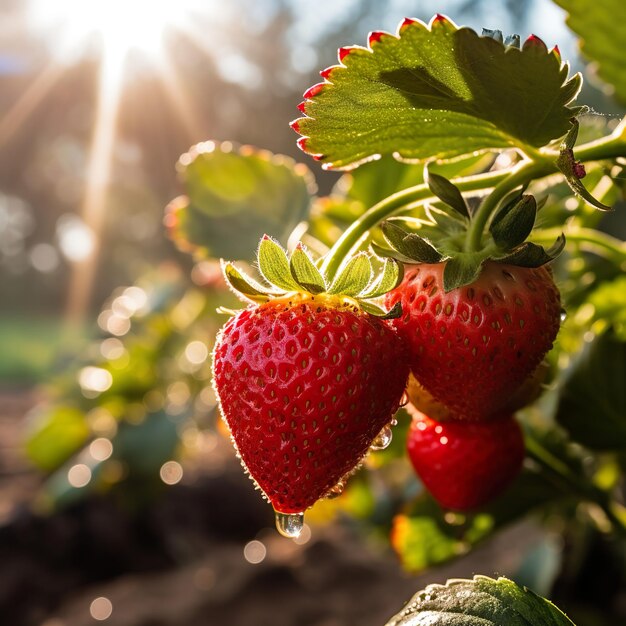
[{"x": 180, "y": 561}]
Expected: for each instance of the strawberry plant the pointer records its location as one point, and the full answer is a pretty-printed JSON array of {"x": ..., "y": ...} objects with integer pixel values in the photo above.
[{"x": 461, "y": 264}]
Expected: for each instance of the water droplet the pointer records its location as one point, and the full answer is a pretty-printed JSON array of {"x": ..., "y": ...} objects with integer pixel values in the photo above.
[
  {"x": 289, "y": 524},
  {"x": 563, "y": 315},
  {"x": 383, "y": 439},
  {"x": 404, "y": 400},
  {"x": 336, "y": 491}
]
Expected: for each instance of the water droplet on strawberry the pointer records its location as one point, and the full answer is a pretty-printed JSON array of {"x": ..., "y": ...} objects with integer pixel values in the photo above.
[
  {"x": 289, "y": 524},
  {"x": 383, "y": 439},
  {"x": 404, "y": 400},
  {"x": 563, "y": 315}
]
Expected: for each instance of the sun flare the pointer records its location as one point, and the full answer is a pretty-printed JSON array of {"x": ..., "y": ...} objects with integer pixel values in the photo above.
[{"x": 115, "y": 26}]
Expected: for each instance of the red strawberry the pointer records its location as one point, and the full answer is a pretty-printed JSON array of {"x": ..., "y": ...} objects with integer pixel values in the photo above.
[
  {"x": 306, "y": 381},
  {"x": 473, "y": 347},
  {"x": 465, "y": 465},
  {"x": 305, "y": 385}
]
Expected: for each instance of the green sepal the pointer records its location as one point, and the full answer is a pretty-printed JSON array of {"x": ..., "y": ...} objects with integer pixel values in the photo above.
[
  {"x": 274, "y": 265},
  {"x": 354, "y": 277},
  {"x": 243, "y": 284},
  {"x": 513, "y": 222},
  {"x": 570, "y": 168},
  {"x": 410, "y": 245},
  {"x": 532, "y": 255},
  {"x": 390, "y": 253},
  {"x": 304, "y": 272},
  {"x": 446, "y": 192},
  {"x": 389, "y": 278},
  {"x": 394, "y": 313},
  {"x": 447, "y": 222},
  {"x": 461, "y": 270}
]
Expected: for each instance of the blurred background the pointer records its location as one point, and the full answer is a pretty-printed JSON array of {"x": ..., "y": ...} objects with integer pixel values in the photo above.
[{"x": 120, "y": 498}]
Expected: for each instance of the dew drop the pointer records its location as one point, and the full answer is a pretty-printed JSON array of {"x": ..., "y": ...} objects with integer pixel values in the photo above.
[
  {"x": 289, "y": 524},
  {"x": 563, "y": 315},
  {"x": 404, "y": 400},
  {"x": 383, "y": 439}
]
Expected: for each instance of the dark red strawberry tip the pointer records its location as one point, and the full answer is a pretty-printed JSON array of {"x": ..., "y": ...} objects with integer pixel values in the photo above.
[
  {"x": 440, "y": 19},
  {"x": 305, "y": 387},
  {"x": 465, "y": 465},
  {"x": 313, "y": 91}
]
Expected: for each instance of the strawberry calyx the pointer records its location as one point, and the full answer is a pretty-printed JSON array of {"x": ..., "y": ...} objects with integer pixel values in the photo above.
[
  {"x": 358, "y": 282},
  {"x": 442, "y": 236}
]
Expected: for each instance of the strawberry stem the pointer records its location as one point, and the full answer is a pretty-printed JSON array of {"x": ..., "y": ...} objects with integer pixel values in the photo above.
[
  {"x": 543, "y": 164},
  {"x": 392, "y": 204}
]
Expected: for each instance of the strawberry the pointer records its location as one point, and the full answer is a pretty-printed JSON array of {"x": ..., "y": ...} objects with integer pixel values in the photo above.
[
  {"x": 473, "y": 347},
  {"x": 307, "y": 377},
  {"x": 465, "y": 465}
]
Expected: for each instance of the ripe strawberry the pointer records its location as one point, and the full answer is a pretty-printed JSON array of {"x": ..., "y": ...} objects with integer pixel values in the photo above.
[
  {"x": 473, "y": 347},
  {"x": 307, "y": 379},
  {"x": 465, "y": 465}
]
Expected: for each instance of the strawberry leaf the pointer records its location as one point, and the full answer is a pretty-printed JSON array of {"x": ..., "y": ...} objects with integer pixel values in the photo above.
[
  {"x": 436, "y": 92},
  {"x": 304, "y": 271},
  {"x": 354, "y": 277},
  {"x": 446, "y": 192},
  {"x": 394, "y": 313},
  {"x": 483, "y": 601},
  {"x": 274, "y": 265},
  {"x": 233, "y": 196},
  {"x": 602, "y": 29},
  {"x": 514, "y": 222}
]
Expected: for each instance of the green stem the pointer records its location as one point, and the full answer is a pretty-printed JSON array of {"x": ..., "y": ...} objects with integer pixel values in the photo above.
[
  {"x": 562, "y": 474},
  {"x": 392, "y": 204},
  {"x": 599, "y": 242},
  {"x": 520, "y": 175},
  {"x": 543, "y": 164}
]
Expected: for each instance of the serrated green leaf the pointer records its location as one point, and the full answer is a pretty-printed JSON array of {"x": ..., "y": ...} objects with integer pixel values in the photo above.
[
  {"x": 602, "y": 29},
  {"x": 243, "y": 284},
  {"x": 461, "y": 270},
  {"x": 354, "y": 277},
  {"x": 446, "y": 192},
  {"x": 389, "y": 278},
  {"x": 481, "y": 601},
  {"x": 592, "y": 398},
  {"x": 304, "y": 271},
  {"x": 274, "y": 265},
  {"x": 410, "y": 245},
  {"x": 532, "y": 255},
  {"x": 514, "y": 222},
  {"x": 437, "y": 92},
  {"x": 234, "y": 196}
]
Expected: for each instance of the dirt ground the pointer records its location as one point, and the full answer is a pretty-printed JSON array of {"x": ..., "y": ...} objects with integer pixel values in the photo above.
[{"x": 181, "y": 561}]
